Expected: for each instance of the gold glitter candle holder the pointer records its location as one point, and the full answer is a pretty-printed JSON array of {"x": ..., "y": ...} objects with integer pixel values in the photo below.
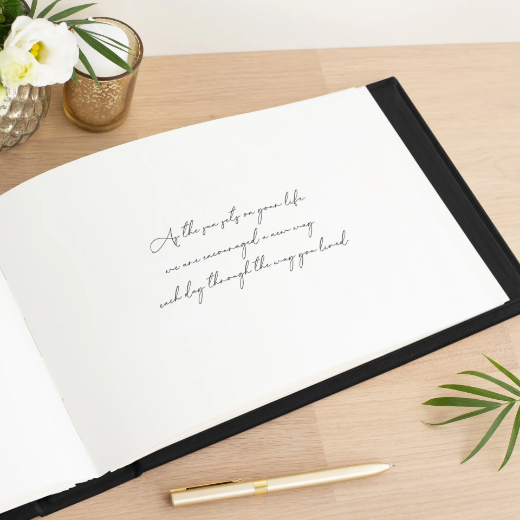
[{"x": 106, "y": 108}]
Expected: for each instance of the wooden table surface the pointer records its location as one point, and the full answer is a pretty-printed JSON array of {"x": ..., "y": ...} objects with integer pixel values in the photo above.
[{"x": 470, "y": 97}]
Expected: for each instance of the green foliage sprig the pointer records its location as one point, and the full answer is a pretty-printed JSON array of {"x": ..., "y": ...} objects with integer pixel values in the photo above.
[
  {"x": 9, "y": 11},
  {"x": 505, "y": 402}
]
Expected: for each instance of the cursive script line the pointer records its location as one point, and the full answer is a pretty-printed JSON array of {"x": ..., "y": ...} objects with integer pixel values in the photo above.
[
  {"x": 243, "y": 245},
  {"x": 188, "y": 228}
]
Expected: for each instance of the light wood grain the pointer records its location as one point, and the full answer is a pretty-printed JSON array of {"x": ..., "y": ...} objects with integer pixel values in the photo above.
[{"x": 469, "y": 96}]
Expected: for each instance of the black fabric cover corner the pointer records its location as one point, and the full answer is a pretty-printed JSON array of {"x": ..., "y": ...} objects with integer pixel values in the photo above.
[{"x": 471, "y": 217}]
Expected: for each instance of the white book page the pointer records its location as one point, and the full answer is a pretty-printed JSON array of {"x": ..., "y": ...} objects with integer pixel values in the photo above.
[
  {"x": 41, "y": 452},
  {"x": 148, "y": 344}
]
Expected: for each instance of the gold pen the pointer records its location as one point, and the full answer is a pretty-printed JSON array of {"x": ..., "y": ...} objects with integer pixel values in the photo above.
[{"x": 236, "y": 488}]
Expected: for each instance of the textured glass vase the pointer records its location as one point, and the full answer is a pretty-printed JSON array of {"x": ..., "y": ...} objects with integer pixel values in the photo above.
[
  {"x": 105, "y": 108},
  {"x": 21, "y": 113}
]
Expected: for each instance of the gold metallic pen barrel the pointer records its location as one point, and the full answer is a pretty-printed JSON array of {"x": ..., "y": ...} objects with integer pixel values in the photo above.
[
  {"x": 236, "y": 489},
  {"x": 202, "y": 494},
  {"x": 324, "y": 476}
]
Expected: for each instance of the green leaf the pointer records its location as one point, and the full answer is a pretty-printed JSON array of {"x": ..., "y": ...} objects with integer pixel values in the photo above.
[
  {"x": 512, "y": 440},
  {"x": 11, "y": 9},
  {"x": 463, "y": 416},
  {"x": 113, "y": 45},
  {"x": 478, "y": 391},
  {"x": 504, "y": 371},
  {"x": 462, "y": 401},
  {"x": 491, "y": 431},
  {"x": 505, "y": 386},
  {"x": 85, "y": 22},
  {"x": 33, "y": 8},
  {"x": 103, "y": 50},
  {"x": 88, "y": 66},
  {"x": 68, "y": 12},
  {"x": 74, "y": 76},
  {"x": 48, "y": 9},
  {"x": 97, "y": 36}
]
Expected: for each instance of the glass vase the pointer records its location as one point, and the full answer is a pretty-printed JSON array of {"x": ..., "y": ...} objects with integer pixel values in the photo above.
[
  {"x": 106, "y": 108},
  {"x": 21, "y": 113}
]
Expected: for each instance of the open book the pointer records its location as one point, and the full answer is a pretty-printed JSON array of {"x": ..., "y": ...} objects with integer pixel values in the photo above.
[{"x": 161, "y": 287}]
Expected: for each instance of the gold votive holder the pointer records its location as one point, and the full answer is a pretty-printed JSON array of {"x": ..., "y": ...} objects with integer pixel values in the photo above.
[{"x": 103, "y": 109}]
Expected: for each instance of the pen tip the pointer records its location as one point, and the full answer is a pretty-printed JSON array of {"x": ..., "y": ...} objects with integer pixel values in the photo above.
[{"x": 391, "y": 465}]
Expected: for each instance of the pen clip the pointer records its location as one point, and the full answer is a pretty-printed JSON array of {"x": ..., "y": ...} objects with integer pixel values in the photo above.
[{"x": 205, "y": 485}]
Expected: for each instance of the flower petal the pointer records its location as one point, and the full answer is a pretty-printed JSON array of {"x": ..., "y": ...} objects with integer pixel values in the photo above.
[{"x": 59, "y": 51}]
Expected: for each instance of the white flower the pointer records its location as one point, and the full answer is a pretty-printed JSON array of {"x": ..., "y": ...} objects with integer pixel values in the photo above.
[
  {"x": 53, "y": 46},
  {"x": 17, "y": 67}
]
